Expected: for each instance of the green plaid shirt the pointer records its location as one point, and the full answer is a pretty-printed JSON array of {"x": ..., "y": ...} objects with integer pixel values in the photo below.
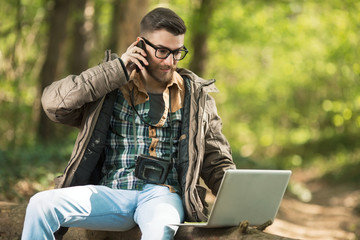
[{"x": 119, "y": 166}]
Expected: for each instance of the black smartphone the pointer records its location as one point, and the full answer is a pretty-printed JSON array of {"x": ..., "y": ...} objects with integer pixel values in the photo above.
[{"x": 141, "y": 44}]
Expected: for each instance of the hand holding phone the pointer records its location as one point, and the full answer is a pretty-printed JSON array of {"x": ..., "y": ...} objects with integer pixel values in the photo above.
[{"x": 134, "y": 58}]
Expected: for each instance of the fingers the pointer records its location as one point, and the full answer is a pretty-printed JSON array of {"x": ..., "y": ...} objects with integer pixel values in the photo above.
[
  {"x": 133, "y": 57},
  {"x": 132, "y": 60}
]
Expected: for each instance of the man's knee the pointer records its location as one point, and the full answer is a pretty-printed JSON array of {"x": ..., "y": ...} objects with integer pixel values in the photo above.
[{"x": 40, "y": 202}]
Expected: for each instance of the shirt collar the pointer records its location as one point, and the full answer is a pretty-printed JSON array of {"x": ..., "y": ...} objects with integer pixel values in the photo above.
[{"x": 175, "y": 89}]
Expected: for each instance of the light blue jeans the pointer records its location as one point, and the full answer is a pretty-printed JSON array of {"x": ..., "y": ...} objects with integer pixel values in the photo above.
[{"x": 103, "y": 208}]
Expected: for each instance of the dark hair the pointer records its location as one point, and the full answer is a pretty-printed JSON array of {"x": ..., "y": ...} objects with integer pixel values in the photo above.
[{"x": 162, "y": 18}]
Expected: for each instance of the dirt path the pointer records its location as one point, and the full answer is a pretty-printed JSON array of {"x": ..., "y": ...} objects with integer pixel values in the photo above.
[{"x": 332, "y": 213}]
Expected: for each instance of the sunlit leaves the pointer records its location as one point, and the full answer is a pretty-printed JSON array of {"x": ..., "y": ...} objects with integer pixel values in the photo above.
[{"x": 288, "y": 72}]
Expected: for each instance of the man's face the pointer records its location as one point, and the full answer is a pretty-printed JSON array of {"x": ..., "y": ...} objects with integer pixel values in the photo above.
[{"x": 161, "y": 70}]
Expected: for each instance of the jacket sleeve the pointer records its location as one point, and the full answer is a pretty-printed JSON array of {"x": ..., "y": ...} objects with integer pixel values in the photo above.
[
  {"x": 64, "y": 100},
  {"x": 217, "y": 156}
]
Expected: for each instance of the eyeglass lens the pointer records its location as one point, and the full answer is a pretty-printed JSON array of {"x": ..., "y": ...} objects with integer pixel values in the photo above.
[{"x": 163, "y": 53}]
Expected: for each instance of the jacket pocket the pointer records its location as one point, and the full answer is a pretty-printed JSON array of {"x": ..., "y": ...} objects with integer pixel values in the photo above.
[{"x": 202, "y": 195}]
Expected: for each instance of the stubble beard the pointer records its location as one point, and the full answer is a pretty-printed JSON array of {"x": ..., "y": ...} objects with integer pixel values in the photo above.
[{"x": 158, "y": 76}]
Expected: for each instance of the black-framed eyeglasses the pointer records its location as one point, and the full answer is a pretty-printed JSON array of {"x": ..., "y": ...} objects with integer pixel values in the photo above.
[{"x": 164, "y": 52}]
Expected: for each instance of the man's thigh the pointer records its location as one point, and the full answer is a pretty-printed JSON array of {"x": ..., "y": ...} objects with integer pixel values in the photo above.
[
  {"x": 158, "y": 207},
  {"x": 95, "y": 207}
]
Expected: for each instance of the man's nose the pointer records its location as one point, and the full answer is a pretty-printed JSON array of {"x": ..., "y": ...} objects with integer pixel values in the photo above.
[{"x": 170, "y": 59}]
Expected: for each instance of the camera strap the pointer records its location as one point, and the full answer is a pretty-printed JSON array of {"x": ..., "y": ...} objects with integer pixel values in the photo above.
[{"x": 149, "y": 124}]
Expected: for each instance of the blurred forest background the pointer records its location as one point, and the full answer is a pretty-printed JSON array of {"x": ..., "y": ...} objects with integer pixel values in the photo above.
[{"x": 287, "y": 70}]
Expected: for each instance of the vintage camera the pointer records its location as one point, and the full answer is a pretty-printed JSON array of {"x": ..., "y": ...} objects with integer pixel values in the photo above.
[{"x": 152, "y": 169}]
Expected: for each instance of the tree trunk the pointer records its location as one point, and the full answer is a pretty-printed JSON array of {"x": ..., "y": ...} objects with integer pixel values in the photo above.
[
  {"x": 12, "y": 217},
  {"x": 201, "y": 29},
  {"x": 17, "y": 74},
  {"x": 57, "y": 34},
  {"x": 78, "y": 56},
  {"x": 126, "y": 23}
]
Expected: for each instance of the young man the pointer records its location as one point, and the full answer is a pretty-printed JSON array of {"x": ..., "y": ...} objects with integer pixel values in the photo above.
[{"x": 148, "y": 132}]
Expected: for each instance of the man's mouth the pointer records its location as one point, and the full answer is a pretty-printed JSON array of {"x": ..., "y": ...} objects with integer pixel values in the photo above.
[{"x": 165, "y": 69}]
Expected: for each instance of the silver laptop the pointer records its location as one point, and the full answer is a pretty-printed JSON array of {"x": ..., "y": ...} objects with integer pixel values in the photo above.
[{"x": 252, "y": 195}]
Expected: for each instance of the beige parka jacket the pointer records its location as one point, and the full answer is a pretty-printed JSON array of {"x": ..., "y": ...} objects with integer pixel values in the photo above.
[{"x": 85, "y": 101}]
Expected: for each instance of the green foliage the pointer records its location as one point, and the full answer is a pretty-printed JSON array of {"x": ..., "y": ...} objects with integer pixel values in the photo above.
[
  {"x": 288, "y": 76},
  {"x": 29, "y": 169},
  {"x": 22, "y": 38}
]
